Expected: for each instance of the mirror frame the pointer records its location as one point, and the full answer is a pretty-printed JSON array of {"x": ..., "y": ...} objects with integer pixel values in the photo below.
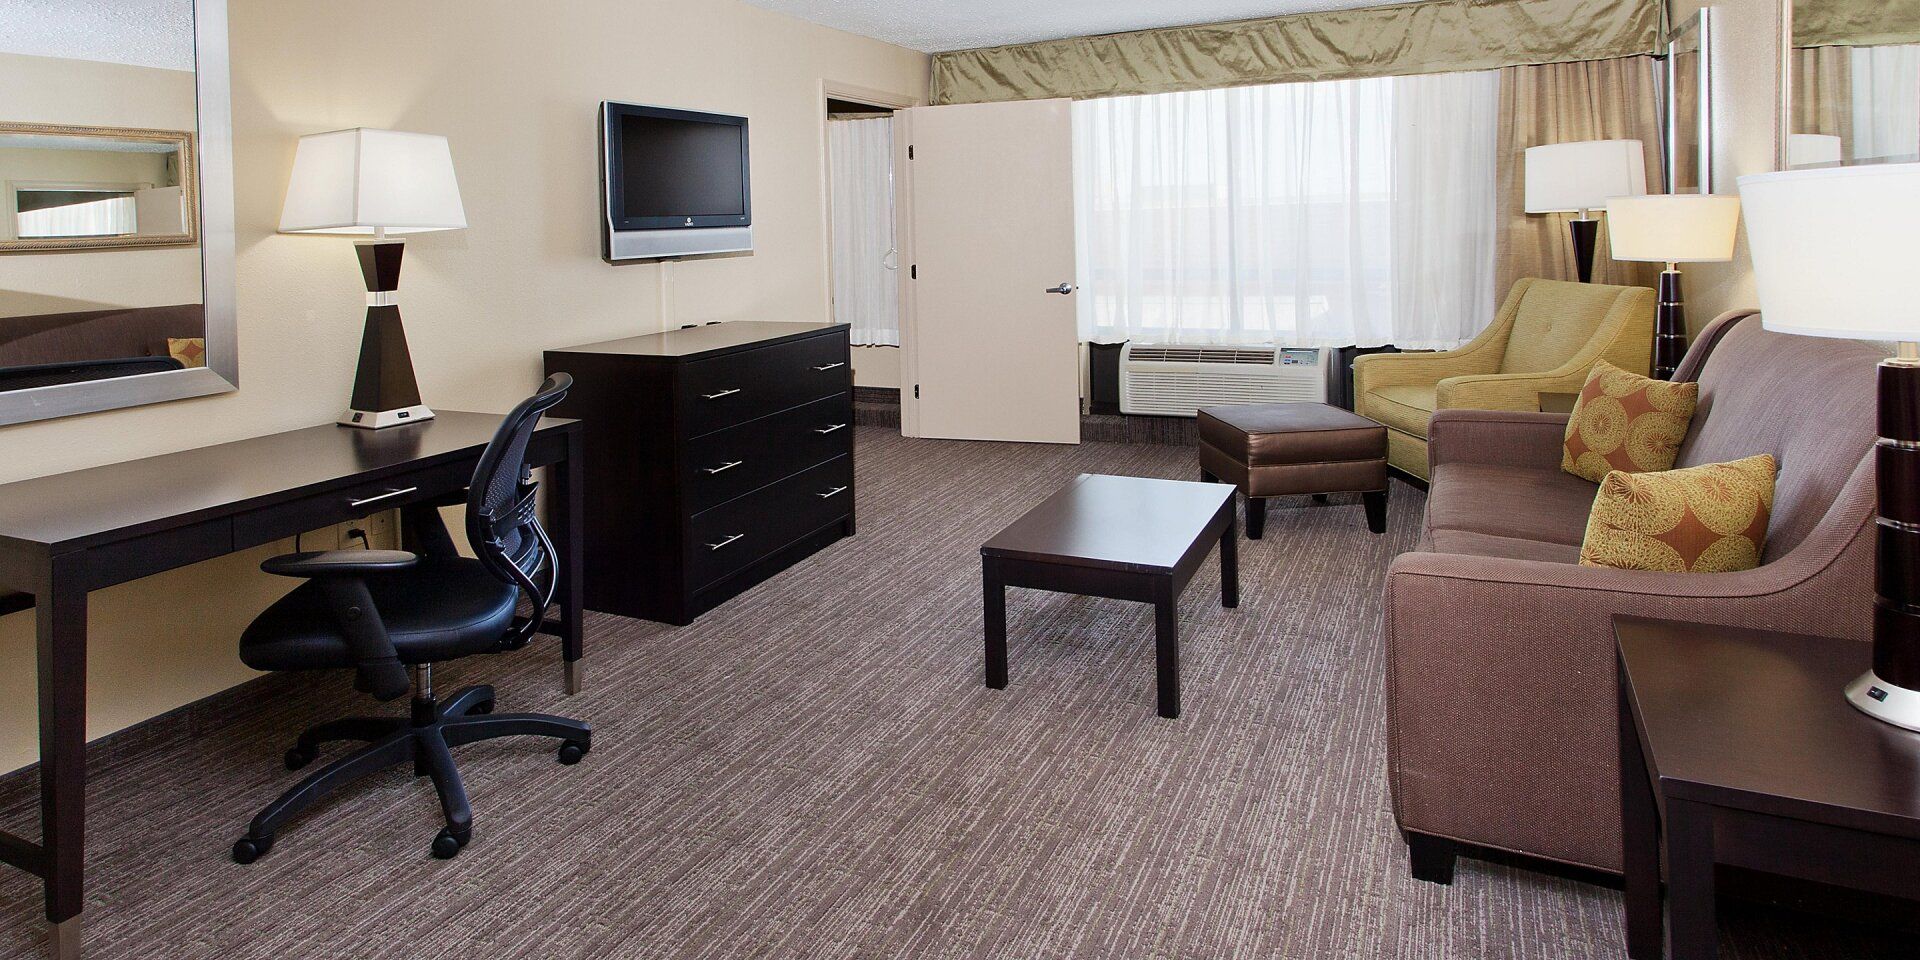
[
  {"x": 213, "y": 102},
  {"x": 1700, "y": 25},
  {"x": 189, "y": 181}
]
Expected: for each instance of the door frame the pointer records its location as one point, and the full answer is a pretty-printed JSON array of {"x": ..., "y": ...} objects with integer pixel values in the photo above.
[{"x": 836, "y": 90}]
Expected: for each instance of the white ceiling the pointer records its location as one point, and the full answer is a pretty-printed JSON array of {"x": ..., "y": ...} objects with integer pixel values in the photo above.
[
  {"x": 144, "y": 33},
  {"x": 933, "y": 26}
]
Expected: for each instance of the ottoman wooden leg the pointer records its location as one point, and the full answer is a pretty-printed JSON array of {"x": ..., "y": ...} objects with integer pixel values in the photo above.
[
  {"x": 1319, "y": 498},
  {"x": 1376, "y": 503},
  {"x": 1206, "y": 477},
  {"x": 1256, "y": 517}
]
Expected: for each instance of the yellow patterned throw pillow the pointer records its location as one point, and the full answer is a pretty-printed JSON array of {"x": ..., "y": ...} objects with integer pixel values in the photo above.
[
  {"x": 1706, "y": 519},
  {"x": 1624, "y": 421},
  {"x": 190, "y": 351}
]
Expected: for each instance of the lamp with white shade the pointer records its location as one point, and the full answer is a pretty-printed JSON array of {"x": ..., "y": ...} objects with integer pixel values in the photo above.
[
  {"x": 376, "y": 183},
  {"x": 1833, "y": 257},
  {"x": 1672, "y": 229},
  {"x": 1580, "y": 178}
]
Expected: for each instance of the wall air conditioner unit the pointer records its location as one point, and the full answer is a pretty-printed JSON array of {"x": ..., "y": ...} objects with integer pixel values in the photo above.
[{"x": 1176, "y": 381}]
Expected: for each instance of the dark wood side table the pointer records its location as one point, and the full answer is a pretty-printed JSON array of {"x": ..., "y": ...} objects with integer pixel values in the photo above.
[
  {"x": 1127, "y": 538},
  {"x": 1737, "y": 747}
]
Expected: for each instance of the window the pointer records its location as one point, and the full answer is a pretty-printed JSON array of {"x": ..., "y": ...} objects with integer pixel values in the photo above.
[{"x": 1307, "y": 214}]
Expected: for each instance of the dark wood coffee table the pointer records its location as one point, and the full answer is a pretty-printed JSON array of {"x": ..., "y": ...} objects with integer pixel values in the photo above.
[
  {"x": 1738, "y": 747},
  {"x": 1127, "y": 538}
]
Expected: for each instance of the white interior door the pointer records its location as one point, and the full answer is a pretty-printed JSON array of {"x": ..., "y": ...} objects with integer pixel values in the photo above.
[{"x": 989, "y": 335}]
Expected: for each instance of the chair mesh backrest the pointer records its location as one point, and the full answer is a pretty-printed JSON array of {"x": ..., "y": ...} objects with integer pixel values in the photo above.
[{"x": 502, "y": 526}]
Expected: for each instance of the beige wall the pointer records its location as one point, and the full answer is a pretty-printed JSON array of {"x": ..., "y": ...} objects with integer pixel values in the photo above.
[
  {"x": 1746, "y": 133},
  {"x": 81, "y": 92},
  {"x": 514, "y": 86}
]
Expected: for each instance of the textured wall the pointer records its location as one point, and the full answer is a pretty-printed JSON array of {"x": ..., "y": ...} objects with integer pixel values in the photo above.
[{"x": 514, "y": 86}]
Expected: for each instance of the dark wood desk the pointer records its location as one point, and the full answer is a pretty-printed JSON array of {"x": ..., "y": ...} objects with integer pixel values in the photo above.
[
  {"x": 1126, "y": 538},
  {"x": 1737, "y": 747},
  {"x": 63, "y": 536}
]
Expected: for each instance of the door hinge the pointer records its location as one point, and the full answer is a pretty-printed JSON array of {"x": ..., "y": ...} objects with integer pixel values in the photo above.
[
  {"x": 913, "y": 272},
  {"x": 916, "y": 391},
  {"x": 909, "y": 151}
]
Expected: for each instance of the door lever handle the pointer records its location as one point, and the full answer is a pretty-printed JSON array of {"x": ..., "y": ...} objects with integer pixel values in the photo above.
[
  {"x": 1063, "y": 289},
  {"x": 826, "y": 430},
  {"x": 723, "y": 468}
]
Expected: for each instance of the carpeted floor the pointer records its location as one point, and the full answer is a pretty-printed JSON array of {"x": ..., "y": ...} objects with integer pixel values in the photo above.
[{"x": 815, "y": 770}]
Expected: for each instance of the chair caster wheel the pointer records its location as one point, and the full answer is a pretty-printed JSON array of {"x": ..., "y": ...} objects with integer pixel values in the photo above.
[
  {"x": 571, "y": 751},
  {"x": 300, "y": 756},
  {"x": 448, "y": 844},
  {"x": 249, "y": 849}
]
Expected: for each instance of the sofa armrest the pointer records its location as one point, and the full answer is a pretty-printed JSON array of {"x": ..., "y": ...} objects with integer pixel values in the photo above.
[{"x": 1497, "y": 438}]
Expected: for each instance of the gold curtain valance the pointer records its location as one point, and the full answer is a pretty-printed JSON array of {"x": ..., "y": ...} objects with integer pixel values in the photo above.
[
  {"x": 1438, "y": 36},
  {"x": 1855, "y": 23}
]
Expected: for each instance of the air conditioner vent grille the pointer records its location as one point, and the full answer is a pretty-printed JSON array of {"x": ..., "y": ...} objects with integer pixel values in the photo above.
[{"x": 1175, "y": 354}]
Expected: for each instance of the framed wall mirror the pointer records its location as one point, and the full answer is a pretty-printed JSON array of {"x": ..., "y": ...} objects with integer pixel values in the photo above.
[
  {"x": 1853, "y": 84},
  {"x": 1688, "y": 98},
  {"x": 116, "y": 207}
]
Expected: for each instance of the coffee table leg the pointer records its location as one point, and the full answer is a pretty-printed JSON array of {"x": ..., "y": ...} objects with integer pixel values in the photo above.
[
  {"x": 1166, "y": 646},
  {"x": 1640, "y": 842},
  {"x": 994, "y": 602},
  {"x": 1692, "y": 931},
  {"x": 1230, "y": 561}
]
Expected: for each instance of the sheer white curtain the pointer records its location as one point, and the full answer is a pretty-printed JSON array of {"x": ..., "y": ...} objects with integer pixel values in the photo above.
[
  {"x": 1308, "y": 214},
  {"x": 1886, "y": 101},
  {"x": 865, "y": 289}
]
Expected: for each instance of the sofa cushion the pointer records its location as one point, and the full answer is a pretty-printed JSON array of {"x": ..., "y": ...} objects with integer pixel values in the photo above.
[
  {"x": 1624, "y": 421},
  {"x": 1404, "y": 408},
  {"x": 1706, "y": 519},
  {"x": 1472, "y": 544},
  {"x": 1555, "y": 320},
  {"x": 1547, "y": 505}
]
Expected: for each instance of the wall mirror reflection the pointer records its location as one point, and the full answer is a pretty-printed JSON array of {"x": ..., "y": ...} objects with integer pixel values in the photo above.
[
  {"x": 1689, "y": 130},
  {"x": 116, "y": 229},
  {"x": 1854, "y": 92}
]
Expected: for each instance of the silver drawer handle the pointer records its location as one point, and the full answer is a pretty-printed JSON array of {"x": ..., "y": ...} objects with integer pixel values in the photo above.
[
  {"x": 723, "y": 393},
  {"x": 723, "y": 468},
  {"x": 837, "y": 426},
  {"x": 389, "y": 495},
  {"x": 830, "y": 366},
  {"x": 836, "y": 491},
  {"x": 716, "y": 546}
]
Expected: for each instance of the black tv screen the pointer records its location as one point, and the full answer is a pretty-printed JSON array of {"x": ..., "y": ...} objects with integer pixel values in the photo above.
[{"x": 676, "y": 169}]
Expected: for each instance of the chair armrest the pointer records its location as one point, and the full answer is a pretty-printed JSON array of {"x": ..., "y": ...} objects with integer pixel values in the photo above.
[
  {"x": 1519, "y": 392},
  {"x": 1376, "y": 370},
  {"x": 1497, "y": 438},
  {"x": 338, "y": 563}
]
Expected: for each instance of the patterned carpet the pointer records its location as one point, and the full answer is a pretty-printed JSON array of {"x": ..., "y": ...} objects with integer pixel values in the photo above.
[{"x": 815, "y": 770}]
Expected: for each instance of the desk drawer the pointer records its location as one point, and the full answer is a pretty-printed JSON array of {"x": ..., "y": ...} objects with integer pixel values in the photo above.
[
  {"x": 727, "y": 463},
  {"x": 725, "y": 391},
  {"x": 348, "y": 503},
  {"x": 735, "y": 534}
]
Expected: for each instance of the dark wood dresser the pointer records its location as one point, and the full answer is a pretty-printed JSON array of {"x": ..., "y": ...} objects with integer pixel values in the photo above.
[{"x": 716, "y": 456}]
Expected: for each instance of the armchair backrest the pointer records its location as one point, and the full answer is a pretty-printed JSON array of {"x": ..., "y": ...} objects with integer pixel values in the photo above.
[
  {"x": 1809, "y": 401},
  {"x": 502, "y": 524},
  {"x": 1556, "y": 318}
]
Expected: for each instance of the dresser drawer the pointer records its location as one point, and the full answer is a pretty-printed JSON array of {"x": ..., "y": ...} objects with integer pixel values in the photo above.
[
  {"x": 734, "y": 534},
  {"x": 729, "y": 390},
  {"x": 727, "y": 463}
]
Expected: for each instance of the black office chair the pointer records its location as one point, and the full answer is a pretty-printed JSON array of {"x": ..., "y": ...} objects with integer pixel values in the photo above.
[{"x": 388, "y": 613}]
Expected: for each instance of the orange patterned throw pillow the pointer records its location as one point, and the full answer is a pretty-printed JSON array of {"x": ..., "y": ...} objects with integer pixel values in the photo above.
[
  {"x": 1624, "y": 421},
  {"x": 1706, "y": 519},
  {"x": 190, "y": 351}
]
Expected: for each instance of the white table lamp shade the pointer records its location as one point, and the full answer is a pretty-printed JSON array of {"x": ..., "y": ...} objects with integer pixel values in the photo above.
[
  {"x": 1673, "y": 228},
  {"x": 1573, "y": 177},
  {"x": 1833, "y": 250},
  {"x": 358, "y": 181}
]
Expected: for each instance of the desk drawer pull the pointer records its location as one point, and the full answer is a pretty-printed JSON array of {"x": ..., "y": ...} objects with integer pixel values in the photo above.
[
  {"x": 723, "y": 468},
  {"x": 831, "y": 429},
  {"x": 716, "y": 546},
  {"x": 831, "y": 366},
  {"x": 836, "y": 491},
  {"x": 723, "y": 393},
  {"x": 389, "y": 495}
]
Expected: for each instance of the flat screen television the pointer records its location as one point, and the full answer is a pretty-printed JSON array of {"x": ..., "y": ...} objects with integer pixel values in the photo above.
[{"x": 673, "y": 183}]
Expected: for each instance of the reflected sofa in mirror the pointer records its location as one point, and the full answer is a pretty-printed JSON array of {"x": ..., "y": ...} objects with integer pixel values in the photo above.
[
  {"x": 1854, "y": 89},
  {"x": 116, "y": 210}
]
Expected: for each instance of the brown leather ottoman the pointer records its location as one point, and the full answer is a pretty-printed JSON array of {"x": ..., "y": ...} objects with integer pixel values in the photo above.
[{"x": 1283, "y": 449}]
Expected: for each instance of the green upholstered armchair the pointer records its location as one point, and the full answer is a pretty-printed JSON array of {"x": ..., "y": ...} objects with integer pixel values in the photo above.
[{"x": 1545, "y": 339}]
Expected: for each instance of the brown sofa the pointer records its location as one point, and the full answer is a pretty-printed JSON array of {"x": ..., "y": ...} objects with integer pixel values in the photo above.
[{"x": 1500, "y": 657}]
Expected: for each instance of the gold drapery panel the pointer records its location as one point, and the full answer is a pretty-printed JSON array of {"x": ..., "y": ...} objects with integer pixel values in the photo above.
[
  {"x": 1855, "y": 23},
  {"x": 1438, "y": 36},
  {"x": 1557, "y": 103}
]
